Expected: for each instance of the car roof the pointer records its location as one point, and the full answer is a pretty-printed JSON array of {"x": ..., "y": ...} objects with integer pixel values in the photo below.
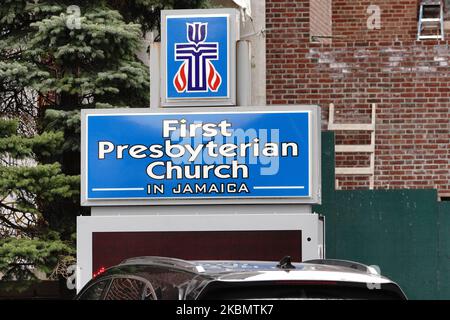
[{"x": 233, "y": 271}]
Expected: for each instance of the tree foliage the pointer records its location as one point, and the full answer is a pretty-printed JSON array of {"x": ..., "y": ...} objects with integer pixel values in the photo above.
[
  {"x": 147, "y": 12},
  {"x": 26, "y": 239},
  {"x": 56, "y": 59}
]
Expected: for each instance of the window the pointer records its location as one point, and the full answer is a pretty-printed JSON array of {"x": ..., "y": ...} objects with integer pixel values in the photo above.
[
  {"x": 95, "y": 291},
  {"x": 129, "y": 289}
]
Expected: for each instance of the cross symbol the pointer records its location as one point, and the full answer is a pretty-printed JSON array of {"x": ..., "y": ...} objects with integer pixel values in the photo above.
[{"x": 197, "y": 53}]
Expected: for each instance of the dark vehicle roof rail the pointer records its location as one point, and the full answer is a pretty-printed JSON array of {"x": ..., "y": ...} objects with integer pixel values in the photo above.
[{"x": 344, "y": 263}]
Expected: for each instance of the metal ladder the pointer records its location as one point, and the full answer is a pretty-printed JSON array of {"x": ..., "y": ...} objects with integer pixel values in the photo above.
[{"x": 431, "y": 23}]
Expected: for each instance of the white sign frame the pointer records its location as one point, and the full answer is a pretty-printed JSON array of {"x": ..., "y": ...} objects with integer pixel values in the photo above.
[{"x": 233, "y": 36}]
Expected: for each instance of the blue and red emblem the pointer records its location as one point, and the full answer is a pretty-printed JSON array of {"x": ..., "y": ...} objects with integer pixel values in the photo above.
[
  {"x": 197, "y": 73},
  {"x": 197, "y": 57}
]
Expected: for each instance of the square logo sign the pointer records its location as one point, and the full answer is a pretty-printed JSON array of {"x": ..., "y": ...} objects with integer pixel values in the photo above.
[{"x": 197, "y": 56}]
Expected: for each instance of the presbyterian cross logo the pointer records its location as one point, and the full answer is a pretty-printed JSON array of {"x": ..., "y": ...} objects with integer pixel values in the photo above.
[
  {"x": 198, "y": 57},
  {"x": 197, "y": 72}
]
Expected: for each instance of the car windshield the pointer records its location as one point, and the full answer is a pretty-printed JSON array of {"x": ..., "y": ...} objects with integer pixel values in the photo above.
[{"x": 299, "y": 291}]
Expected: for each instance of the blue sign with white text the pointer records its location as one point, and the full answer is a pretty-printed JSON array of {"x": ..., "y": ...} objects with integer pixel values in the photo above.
[
  {"x": 198, "y": 155},
  {"x": 197, "y": 57}
]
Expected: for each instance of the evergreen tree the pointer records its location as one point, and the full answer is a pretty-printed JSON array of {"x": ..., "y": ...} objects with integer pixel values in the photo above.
[
  {"x": 57, "y": 57},
  {"x": 147, "y": 12},
  {"x": 26, "y": 239}
]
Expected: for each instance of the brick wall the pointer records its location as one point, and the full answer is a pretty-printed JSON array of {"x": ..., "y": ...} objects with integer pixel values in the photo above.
[
  {"x": 398, "y": 19},
  {"x": 408, "y": 80}
]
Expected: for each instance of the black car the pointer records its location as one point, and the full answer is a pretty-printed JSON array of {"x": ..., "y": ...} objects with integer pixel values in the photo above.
[{"x": 156, "y": 278}]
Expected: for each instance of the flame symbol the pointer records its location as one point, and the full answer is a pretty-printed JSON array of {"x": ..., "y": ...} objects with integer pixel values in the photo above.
[
  {"x": 214, "y": 79},
  {"x": 179, "y": 81}
]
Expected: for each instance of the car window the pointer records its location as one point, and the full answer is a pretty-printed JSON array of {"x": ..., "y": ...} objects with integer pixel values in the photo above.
[
  {"x": 129, "y": 289},
  {"x": 95, "y": 291},
  {"x": 166, "y": 282}
]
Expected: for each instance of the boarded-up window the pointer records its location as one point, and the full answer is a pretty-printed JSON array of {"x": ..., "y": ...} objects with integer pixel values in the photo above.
[{"x": 320, "y": 20}]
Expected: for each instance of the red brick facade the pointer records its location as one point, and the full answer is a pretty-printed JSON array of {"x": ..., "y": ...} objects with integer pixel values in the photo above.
[
  {"x": 408, "y": 80},
  {"x": 398, "y": 20}
]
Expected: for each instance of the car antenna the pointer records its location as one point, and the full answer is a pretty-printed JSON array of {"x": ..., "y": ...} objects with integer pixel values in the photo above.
[{"x": 286, "y": 263}]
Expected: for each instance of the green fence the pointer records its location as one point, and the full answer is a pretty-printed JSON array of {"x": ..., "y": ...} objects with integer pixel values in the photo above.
[
  {"x": 443, "y": 270},
  {"x": 405, "y": 232}
]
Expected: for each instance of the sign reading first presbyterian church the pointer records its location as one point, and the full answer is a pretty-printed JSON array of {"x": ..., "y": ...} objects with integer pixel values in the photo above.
[
  {"x": 199, "y": 57},
  {"x": 140, "y": 156}
]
